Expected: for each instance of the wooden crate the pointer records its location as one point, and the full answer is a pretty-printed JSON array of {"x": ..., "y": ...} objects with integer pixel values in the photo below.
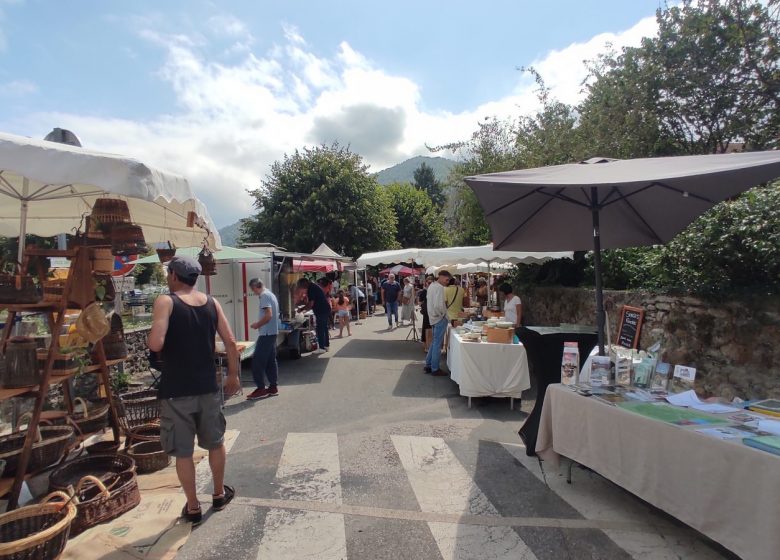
[{"x": 501, "y": 336}]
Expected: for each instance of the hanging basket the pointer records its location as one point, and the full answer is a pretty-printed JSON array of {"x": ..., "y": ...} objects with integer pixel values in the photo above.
[
  {"x": 102, "y": 260},
  {"x": 165, "y": 254},
  {"x": 208, "y": 263},
  {"x": 128, "y": 239},
  {"x": 109, "y": 212},
  {"x": 114, "y": 344},
  {"x": 37, "y": 532}
]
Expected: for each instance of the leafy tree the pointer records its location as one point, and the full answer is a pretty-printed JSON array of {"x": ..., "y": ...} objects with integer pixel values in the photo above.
[
  {"x": 321, "y": 194},
  {"x": 425, "y": 180},
  {"x": 420, "y": 223}
]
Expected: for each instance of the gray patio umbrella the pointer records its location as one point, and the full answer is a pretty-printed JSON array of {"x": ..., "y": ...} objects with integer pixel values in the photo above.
[{"x": 607, "y": 203}]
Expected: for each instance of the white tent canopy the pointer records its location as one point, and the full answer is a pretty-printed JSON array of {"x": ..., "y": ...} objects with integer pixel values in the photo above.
[
  {"x": 471, "y": 268},
  {"x": 46, "y": 188},
  {"x": 451, "y": 256},
  {"x": 324, "y": 251}
]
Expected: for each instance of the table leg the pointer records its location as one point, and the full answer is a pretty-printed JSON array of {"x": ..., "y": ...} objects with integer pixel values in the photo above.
[
  {"x": 568, "y": 475},
  {"x": 469, "y": 398},
  {"x": 511, "y": 403}
]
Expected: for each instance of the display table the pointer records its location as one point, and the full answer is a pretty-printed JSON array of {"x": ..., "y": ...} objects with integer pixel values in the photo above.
[
  {"x": 724, "y": 489},
  {"x": 545, "y": 351},
  {"x": 484, "y": 369}
]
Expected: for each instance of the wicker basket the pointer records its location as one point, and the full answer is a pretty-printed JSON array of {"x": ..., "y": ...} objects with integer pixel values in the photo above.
[
  {"x": 103, "y": 447},
  {"x": 99, "y": 466},
  {"x": 53, "y": 290},
  {"x": 37, "y": 532},
  {"x": 91, "y": 421},
  {"x": 208, "y": 263},
  {"x": 18, "y": 288},
  {"x": 144, "y": 432},
  {"x": 149, "y": 456},
  {"x": 137, "y": 408},
  {"x": 114, "y": 344},
  {"x": 128, "y": 239},
  {"x": 108, "y": 212},
  {"x": 21, "y": 364},
  {"x": 166, "y": 254},
  {"x": 102, "y": 260},
  {"x": 46, "y": 451},
  {"x": 100, "y": 502}
]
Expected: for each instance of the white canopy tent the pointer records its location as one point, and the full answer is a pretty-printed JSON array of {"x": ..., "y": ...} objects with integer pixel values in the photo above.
[
  {"x": 47, "y": 187},
  {"x": 471, "y": 268},
  {"x": 451, "y": 256},
  {"x": 388, "y": 257}
]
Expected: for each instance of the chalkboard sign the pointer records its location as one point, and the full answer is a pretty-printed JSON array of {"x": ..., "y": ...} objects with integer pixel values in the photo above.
[{"x": 630, "y": 326}]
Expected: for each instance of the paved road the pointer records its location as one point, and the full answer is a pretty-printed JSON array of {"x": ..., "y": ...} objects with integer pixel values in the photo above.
[{"x": 363, "y": 457}]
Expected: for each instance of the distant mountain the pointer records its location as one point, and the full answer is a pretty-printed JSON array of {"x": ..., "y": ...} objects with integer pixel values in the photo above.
[
  {"x": 230, "y": 234},
  {"x": 404, "y": 171}
]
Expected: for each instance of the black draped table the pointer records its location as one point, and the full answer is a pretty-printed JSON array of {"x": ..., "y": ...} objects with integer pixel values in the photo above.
[{"x": 544, "y": 346}]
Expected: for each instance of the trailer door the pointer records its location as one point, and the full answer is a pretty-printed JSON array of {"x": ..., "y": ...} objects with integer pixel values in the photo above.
[{"x": 221, "y": 288}]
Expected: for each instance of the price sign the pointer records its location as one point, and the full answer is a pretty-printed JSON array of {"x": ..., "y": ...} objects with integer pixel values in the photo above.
[{"x": 630, "y": 326}]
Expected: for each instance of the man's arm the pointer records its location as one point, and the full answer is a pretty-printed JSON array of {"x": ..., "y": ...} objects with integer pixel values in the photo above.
[
  {"x": 267, "y": 314},
  {"x": 232, "y": 384},
  {"x": 161, "y": 315}
]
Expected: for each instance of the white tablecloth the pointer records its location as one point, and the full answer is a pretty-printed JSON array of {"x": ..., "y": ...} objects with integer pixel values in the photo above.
[
  {"x": 484, "y": 369},
  {"x": 725, "y": 489}
]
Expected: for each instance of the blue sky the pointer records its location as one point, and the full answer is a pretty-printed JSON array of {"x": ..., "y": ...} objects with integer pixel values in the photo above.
[{"x": 217, "y": 91}]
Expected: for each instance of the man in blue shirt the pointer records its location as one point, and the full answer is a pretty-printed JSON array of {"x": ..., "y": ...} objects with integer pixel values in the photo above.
[
  {"x": 317, "y": 302},
  {"x": 264, "y": 358},
  {"x": 390, "y": 291}
]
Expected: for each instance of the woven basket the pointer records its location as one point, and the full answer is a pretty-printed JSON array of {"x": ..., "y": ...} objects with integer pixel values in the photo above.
[
  {"x": 137, "y": 408},
  {"x": 21, "y": 364},
  {"x": 37, "y": 532},
  {"x": 166, "y": 254},
  {"x": 144, "y": 432},
  {"x": 16, "y": 288},
  {"x": 208, "y": 263},
  {"x": 91, "y": 421},
  {"x": 128, "y": 239},
  {"x": 46, "y": 451},
  {"x": 99, "y": 502},
  {"x": 103, "y": 447},
  {"x": 102, "y": 260},
  {"x": 53, "y": 290},
  {"x": 148, "y": 456},
  {"x": 114, "y": 344},
  {"x": 99, "y": 466}
]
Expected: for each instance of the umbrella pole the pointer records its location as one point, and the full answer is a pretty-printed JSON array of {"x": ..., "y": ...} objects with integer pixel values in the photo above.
[
  {"x": 23, "y": 221},
  {"x": 594, "y": 195}
]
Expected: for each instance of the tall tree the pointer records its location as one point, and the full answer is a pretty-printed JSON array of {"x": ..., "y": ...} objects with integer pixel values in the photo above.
[
  {"x": 420, "y": 223},
  {"x": 322, "y": 194},
  {"x": 425, "y": 180}
]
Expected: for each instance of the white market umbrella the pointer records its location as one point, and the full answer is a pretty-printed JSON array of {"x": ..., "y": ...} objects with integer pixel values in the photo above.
[{"x": 46, "y": 188}]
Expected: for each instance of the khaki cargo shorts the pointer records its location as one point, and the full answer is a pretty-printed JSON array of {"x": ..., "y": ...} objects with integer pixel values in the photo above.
[{"x": 182, "y": 418}]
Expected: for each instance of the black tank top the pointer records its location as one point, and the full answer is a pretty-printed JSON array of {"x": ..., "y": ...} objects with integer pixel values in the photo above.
[{"x": 188, "y": 351}]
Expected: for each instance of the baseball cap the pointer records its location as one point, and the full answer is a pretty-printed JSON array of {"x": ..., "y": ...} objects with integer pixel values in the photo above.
[{"x": 184, "y": 267}]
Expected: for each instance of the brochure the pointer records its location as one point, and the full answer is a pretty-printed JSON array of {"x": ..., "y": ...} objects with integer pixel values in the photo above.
[
  {"x": 661, "y": 376},
  {"x": 599, "y": 371},
  {"x": 770, "y": 444},
  {"x": 570, "y": 364}
]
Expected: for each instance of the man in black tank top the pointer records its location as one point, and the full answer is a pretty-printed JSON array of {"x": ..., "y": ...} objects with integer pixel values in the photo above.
[{"x": 184, "y": 326}]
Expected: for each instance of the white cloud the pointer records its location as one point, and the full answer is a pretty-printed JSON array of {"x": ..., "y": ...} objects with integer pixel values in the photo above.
[
  {"x": 18, "y": 88},
  {"x": 236, "y": 118}
]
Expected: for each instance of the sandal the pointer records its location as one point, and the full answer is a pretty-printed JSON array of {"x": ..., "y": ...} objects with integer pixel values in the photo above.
[
  {"x": 220, "y": 502},
  {"x": 193, "y": 517}
]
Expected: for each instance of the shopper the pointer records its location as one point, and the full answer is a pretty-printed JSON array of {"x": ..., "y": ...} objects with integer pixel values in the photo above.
[
  {"x": 342, "y": 306},
  {"x": 390, "y": 292},
  {"x": 513, "y": 307},
  {"x": 184, "y": 326},
  {"x": 422, "y": 300},
  {"x": 453, "y": 296},
  {"x": 317, "y": 302},
  {"x": 264, "y": 365},
  {"x": 407, "y": 300},
  {"x": 437, "y": 314}
]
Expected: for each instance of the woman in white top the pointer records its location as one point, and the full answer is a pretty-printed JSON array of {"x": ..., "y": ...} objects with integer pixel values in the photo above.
[
  {"x": 513, "y": 307},
  {"x": 407, "y": 300}
]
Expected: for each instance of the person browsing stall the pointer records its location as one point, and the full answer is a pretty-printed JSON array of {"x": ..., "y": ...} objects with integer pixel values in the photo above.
[
  {"x": 513, "y": 307},
  {"x": 264, "y": 364},
  {"x": 184, "y": 326},
  {"x": 437, "y": 315},
  {"x": 317, "y": 302},
  {"x": 453, "y": 296}
]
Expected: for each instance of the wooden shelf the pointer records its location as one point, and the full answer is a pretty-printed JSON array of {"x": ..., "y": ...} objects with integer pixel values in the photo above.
[
  {"x": 6, "y": 394},
  {"x": 41, "y": 252},
  {"x": 40, "y": 306}
]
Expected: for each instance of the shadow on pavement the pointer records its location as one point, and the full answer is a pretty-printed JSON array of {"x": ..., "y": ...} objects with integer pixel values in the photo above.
[
  {"x": 381, "y": 350},
  {"x": 414, "y": 383},
  {"x": 489, "y": 408}
]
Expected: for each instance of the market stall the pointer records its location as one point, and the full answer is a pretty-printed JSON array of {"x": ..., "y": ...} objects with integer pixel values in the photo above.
[
  {"x": 485, "y": 369},
  {"x": 721, "y": 487}
]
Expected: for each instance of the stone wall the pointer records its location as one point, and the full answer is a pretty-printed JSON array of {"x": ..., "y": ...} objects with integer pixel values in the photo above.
[
  {"x": 734, "y": 345},
  {"x": 137, "y": 351}
]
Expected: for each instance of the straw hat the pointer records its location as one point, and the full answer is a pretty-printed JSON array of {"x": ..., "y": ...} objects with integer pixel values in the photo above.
[{"x": 92, "y": 323}]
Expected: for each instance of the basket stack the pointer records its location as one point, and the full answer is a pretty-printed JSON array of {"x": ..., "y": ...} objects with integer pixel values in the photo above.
[
  {"x": 53, "y": 290},
  {"x": 139, "y": 416},
  {"x": 49, "y": 448},
  {"x": 99, "y": 466},
  {"x": 92, "y": 420},
  {"x": 109, "y": 212},
  {"x": 18, "y": 288}
]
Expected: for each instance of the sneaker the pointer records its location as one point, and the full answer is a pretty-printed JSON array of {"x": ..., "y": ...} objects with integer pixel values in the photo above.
[
  {"x": 273, "y": 390},
  {"x": 439, "y": 373},
  {"x": 258, "y": 393},
  {"x": 319, "y": 351},
  {"x": 427, "y": 369}
]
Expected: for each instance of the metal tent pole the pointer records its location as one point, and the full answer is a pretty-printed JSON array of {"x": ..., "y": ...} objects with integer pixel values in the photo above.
[{"x": 594, "y": 195}]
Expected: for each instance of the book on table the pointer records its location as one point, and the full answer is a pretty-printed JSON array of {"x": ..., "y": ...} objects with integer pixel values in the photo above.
[
  {"x": 770, "y": 444},
  {"x": 769, "y": 406}
]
